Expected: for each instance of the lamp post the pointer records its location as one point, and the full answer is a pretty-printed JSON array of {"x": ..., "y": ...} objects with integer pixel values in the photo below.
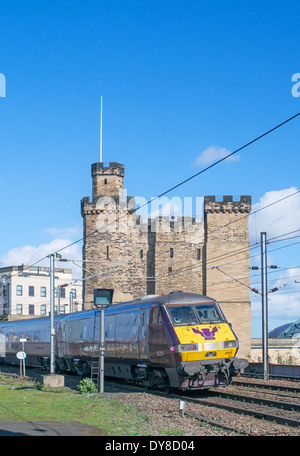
[{"x": 102, "y": 300}]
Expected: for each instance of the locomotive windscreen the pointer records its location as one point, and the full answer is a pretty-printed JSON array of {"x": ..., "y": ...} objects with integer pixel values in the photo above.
[
  {"x": 209, "y": 313},
  {"x": 195, "y": 314}
]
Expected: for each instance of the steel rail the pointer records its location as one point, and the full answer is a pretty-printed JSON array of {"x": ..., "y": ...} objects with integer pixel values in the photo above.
[
  {"x": 257, "y": 414},
  {"x": 258, "y": 400},
  {"x": 293, "y": 389}
]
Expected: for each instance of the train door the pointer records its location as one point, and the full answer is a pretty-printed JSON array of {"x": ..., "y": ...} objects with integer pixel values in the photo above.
[
  {"x": 60, "y": 339},
  {"x": 143, "y": 334}
]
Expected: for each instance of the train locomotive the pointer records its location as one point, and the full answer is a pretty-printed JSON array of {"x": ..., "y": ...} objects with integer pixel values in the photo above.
[{"x": 176, "y": 341}]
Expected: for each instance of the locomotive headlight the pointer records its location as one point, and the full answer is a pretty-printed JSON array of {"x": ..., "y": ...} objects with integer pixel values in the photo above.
[
  {"x": 229, "y": 344},
  {"x": 188, "y": 347}
]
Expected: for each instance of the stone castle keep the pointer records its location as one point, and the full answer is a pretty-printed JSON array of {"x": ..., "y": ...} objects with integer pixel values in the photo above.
[{"x": 135, "y": 258}]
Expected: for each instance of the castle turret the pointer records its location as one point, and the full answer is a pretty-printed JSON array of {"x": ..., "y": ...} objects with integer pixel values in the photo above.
[
  {"x": 107, "y": 180},
  {"x": 115, "y": 254}
]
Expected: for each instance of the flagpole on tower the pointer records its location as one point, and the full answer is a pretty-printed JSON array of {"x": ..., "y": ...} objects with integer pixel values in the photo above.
[{"x": 101, "y": 132}]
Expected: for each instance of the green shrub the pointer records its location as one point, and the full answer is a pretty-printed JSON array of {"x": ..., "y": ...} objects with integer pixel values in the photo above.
[{"x": 87, "y": 386}]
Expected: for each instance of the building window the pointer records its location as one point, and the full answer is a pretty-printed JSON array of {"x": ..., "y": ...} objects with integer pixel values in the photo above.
[
  {"x": 43, "y": 292},
  {"x": 19, "y": 309},
  {"x": 141, "y": 254},
  {"x": 198, "y": 254},
  {"x": 4, "y": 290},
  {"x": 62, "y": 309},
  {"x": 62, "y": 292},
  {"x": 171, "y": 253},
  {"x": 19, "y": 290},
  {"x": 31, "y": 309},
  {"x": 31, "y": 291},
  {"x": 105, "y": 181},
  {"x": 107, "y": 252},
  {"x": 73, "y": 291},
  {"x": 43, "y": 309}
]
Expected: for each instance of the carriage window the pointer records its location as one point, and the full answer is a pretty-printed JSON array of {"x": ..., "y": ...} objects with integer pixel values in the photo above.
[
  {"x": 70, "y": 333},
  {"x": 37, "y": 335},
  {"x": 209, "y": 313},
  {"x": 182, "y": 315},
  {"x": 156, "y": 315},
  {"x": 84, "y": 334}
]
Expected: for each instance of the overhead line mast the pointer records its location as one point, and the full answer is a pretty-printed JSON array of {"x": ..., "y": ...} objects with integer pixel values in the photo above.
[{"x": 101, "y": 131}]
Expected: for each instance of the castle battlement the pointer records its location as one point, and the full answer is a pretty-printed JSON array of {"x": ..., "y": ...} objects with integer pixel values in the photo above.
[
  {"x": 113, "y": 168},
  {"x": 227, "y": 204}
]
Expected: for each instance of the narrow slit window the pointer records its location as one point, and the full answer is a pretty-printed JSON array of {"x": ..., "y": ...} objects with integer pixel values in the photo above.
[
  {"x": 141, "y": 254},
  {"x": 198, "y": 254},
  {"x": 171, "y": 253},
  {"x": 107, "y": 252}
]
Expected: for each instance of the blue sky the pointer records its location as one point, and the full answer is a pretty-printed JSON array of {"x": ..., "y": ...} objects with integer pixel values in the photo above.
[{"x": 177, "y": 78}]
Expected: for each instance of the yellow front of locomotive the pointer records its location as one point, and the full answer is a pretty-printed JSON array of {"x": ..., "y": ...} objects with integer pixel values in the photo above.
[
  {"x": 208, "y": 341},
  {"x": 204, "y": 344}
]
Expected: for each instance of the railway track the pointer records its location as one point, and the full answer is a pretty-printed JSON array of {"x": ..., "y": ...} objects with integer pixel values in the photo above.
[
  {"x": 229, "y": 409},
  {"x": 276, "y": 411},
  {"x": 280, "y": 412}
]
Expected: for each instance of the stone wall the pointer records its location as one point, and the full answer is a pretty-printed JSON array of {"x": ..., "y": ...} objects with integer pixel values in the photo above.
[
  {"x": 280, "y": 351},
  {"x": 227, "y": 259},
  {"x": 179, "y": 255}
]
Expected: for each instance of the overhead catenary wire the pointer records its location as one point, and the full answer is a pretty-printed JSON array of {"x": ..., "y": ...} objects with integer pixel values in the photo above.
[
  {"x": 186, "y": 269},
  {"x": 178, "y": 185}
]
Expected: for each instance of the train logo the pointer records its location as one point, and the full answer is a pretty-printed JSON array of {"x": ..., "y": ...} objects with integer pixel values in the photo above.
[{"x": 206, "y": 333}]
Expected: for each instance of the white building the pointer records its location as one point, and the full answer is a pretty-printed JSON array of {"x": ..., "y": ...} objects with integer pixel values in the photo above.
[{"x": 25, "y": 291}]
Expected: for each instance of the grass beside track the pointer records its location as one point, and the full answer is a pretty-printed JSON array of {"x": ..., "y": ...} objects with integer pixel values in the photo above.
[{"x": 25, "y": 401}]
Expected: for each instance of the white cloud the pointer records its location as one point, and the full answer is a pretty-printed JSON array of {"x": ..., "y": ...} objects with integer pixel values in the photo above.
[
  {"x": 285, "y": 301},
  {"x": 63, "y": 233},
  {"x": 212, "y": 154},
  {"x": 283, "y": 307},
  {"x": 29, "y": 255},
  {"x": 278, "y": 213},
  {"x": 277, "y": 219}
]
